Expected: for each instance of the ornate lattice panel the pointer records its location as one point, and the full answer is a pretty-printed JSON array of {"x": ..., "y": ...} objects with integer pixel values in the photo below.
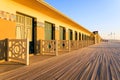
[
  {"x": 83, "y": 43},
  {"x": 3, "y": 48},
  {"x": 49, "y": 47},
  {"x": 90, "y": 42},
  {"x": 86, "y": 43},
  {"x": 79, "y": 44},
  {"x": 73, "y": 44},
  {"x": 63, "y": 45},
  {"x": 17, "y": 50}
]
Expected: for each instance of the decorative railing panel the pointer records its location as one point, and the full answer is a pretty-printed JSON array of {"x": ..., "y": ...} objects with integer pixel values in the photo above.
[
  {"x": 15, "y": 50},
  {"x": 63, "y": 45},
  {"x": 49, "y": 47},
  {"x": 86, "y": 43},
  {"x": 91, "y": 42},
  {"x": 18, "y": 50},
  {"x": 79, "y": 44},
  {"x": 73, "y": 45},
  {"x": 52, "y": 47},
  {"x": 83, "y": 43},
  {"x": 3, "y": 55}
]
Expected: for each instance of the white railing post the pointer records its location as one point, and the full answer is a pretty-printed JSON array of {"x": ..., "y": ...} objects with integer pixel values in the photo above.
[
  {"x": 69, "y": 42},
  {"x": 7, "y": 49},
  {"x": 41, "y": 47},
  {"x": 27, "y": 54},
  {"x": 56, "y": 46}
]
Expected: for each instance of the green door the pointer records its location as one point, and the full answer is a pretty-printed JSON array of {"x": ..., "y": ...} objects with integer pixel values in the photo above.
[
  {"x": 61, "y": 33},
  {"x": 48, "y": 31},
  {"x": 75, "y": 35},
  {"x": 70, "y": 34},
  {"x": 79, "y": 36}
]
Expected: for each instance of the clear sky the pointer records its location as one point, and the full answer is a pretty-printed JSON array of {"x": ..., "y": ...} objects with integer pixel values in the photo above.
[{"x": 95, "y": 15}]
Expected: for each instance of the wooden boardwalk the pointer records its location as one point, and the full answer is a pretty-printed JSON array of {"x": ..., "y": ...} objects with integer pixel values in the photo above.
[{"x": 97, "y": 62}]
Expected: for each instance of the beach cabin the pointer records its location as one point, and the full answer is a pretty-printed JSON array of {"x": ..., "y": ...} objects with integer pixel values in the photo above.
[{"x": 35, "y": 27}]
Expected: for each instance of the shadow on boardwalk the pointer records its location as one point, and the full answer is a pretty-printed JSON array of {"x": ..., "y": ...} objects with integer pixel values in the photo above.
[
  {"x": 11, "y": 65},
  {"x": 97, "y": 62}
]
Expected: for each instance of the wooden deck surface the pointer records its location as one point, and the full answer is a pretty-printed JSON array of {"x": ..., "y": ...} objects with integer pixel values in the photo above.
[{"x": 97, "y": 62}]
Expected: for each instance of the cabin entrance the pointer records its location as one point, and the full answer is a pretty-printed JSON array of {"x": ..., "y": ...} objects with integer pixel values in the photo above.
[
  {"x": 49, "y": 31},
  {"x": 26, "y": 29}
]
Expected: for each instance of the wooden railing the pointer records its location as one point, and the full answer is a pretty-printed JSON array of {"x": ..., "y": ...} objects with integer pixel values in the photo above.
[
  {"x": 73, "y": 45},
  {"x": 79, "y": 44},
  {"x": 52, "y": 47},
  {"x": 63, "y": 45},
  {"x": 18, "y": 49},
  {"x": 15, "y": 50},
  {"x": 49, "y": 47}
]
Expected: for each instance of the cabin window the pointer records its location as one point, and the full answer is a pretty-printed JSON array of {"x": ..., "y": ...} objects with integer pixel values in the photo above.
[
  {"x": 70, "y": 34},
  {"x": 49, "y": 31},
  {"x": 75, "y": 35},
  {"x": 62, "y": 33},
  {"x": 88, "y": 37},
  {"x": 83, "y": 37},
  {"x": 79, "y": 36}
]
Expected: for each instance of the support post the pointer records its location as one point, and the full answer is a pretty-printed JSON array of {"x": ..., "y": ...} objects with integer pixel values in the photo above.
[
  {"x": 41, "y": 47},
  {"x": 82, "y": 44},
  {"x": 56, "y": 46},
  {"x": 69, "y": 42},
  {"x": 27, "y": 54},
  {"x": 7, "y": 49}
]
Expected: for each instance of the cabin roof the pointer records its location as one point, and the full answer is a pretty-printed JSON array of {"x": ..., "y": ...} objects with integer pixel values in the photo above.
[{"x": 43, "y": 7}]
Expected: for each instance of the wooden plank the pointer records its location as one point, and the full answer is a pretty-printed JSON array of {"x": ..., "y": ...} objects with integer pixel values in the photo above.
[{"x": 97, "y": 62}]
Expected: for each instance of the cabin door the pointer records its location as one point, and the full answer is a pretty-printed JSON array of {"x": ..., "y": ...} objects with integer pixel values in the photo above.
[{"x": 24, "y": 29}]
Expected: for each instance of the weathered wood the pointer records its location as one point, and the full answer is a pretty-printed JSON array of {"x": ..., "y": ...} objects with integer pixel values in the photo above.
[{"x": 96, "y": 62}]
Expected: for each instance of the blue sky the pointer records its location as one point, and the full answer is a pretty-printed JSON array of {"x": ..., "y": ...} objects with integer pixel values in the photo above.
[{"x": 100, "y": 15}]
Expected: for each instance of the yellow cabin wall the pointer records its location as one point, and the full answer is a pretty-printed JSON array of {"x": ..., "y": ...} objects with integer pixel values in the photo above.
[
  {"x": 66, "y": 34},
  {"x": 40, "y": 33},
  {"x": 13, "y": 7},
  {"x": 7, "y": 29}
]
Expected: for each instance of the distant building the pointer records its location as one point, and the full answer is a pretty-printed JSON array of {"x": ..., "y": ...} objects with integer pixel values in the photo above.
[{"x": 97, "y": 37}]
